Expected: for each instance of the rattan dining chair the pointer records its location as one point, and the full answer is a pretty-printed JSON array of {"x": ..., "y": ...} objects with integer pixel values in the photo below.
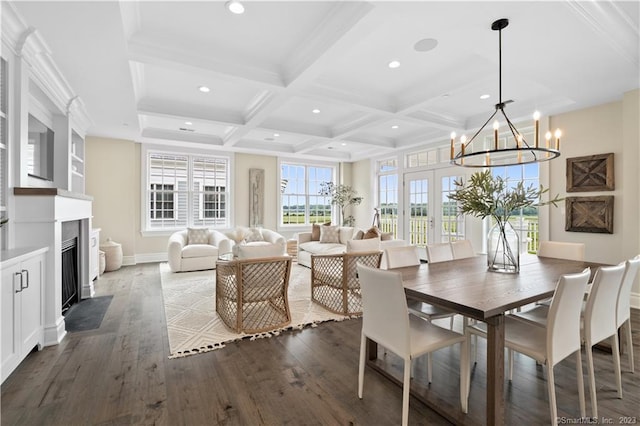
[
  {"x": 386, "y": 320},
  {"x": 551, "y": 344},
  {"x": 599, "y": 323},
  {"x": 251, "y": 294},
  {"x": 334, "y": 280}
]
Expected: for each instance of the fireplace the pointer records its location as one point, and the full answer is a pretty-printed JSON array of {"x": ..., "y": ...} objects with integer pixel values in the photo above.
[{"x": 70, "y": 255}]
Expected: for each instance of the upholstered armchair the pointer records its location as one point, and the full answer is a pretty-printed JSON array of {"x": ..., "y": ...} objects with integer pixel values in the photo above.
[
  {"x": 257, "y": 242},
  {"x": 196, "y": 249}
]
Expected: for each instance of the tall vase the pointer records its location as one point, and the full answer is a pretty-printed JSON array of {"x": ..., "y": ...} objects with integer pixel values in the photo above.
[{"x": 503, "y": 249}]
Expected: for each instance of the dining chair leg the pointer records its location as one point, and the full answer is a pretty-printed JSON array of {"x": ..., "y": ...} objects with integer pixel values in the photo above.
[
  {"x": 464, "y": 376},
  {"x": 583, "y": 411},
  {"x": 629, "y": 340},
  {"x": 406, "y": 385},
  {"x": 615, "y": 350},
  {"x": 510, "y": 365},
  {"x": 592, "y": 379},
  {"x": 451, "y": 322},
  {"x": 363, "y": 352},
  {"x": 551, "y": 389}
]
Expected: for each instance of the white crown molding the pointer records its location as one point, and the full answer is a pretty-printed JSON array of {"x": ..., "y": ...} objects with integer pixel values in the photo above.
[{"x": 603, "y": 16}]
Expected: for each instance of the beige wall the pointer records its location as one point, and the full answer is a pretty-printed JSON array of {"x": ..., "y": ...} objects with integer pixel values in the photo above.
[
  {"x": 362, "y": 182},
  {"x": 244, "y": 162}
]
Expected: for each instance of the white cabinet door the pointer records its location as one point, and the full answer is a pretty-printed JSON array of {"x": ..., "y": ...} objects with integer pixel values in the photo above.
[
  {"x": 94, "y": 254},
  {"x": 31, "y": 304},
  {"x": 10, "y": 357}
]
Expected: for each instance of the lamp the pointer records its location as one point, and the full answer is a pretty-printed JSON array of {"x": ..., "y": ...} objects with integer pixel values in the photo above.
[{"x": 518, "y": 151}]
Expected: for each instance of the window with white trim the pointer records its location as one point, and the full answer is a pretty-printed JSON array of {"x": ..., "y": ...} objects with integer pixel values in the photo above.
[
  {"x": 301, "y": 202},
  {"x": 186, "y": 190},
  {"x": 387, "y": 175}
]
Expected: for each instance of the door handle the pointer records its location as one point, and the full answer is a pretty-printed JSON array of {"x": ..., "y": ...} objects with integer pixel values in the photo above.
[
  {"x": 24, "y": 271},
  {"x": 14, "y": 276}
]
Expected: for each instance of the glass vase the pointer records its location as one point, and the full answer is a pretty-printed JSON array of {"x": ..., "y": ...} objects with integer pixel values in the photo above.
[{"x": 503, "y": 249}]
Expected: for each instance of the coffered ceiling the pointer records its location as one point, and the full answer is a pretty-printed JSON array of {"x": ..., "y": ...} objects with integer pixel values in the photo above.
[{"x": 138, "y": 67}]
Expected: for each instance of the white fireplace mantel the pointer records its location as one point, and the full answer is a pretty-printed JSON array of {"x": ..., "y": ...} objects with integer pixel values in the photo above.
[{"x": 40, "y": 213}]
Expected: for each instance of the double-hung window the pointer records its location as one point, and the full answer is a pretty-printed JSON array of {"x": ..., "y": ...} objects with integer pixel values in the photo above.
[
  {"x": 301, "y": 202},
  {"x": 186, "y": 190}
]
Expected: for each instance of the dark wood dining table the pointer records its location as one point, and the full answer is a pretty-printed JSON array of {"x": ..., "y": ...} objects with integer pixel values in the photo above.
[{"x": 466, "y": 286}]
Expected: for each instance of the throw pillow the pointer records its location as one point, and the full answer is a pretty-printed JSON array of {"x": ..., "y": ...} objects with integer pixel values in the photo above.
[
  {"x": 315, "y": 230},
  {"x": 330, "y": 234},
  {"x": 370, "y": 244},
  {"x": 358, "y": 235},
  {"x": 237, "y": 234},
  {"x": 197, "y": 236},
  {"x": 253, "y": 234},
  {"x": 372, "y": 232},
  {"x": 386, "y": 236}
]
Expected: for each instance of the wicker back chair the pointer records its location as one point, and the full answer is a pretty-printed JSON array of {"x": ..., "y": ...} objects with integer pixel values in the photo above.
[
  {"x": 334, "y": 280},
  {"x": 251, "y": 294}
]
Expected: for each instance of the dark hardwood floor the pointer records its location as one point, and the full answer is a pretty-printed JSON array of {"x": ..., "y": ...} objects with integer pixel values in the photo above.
[{"x": 120, "y": 374}]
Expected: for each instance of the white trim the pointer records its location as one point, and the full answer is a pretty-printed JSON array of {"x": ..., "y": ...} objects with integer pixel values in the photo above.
[
  {"x": 128, "y": 260},
  {"x": 151, "y": 257},
  {"x": 635, "y": 300}
]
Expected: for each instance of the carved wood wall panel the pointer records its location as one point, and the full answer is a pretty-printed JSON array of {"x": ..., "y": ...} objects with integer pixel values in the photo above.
[
  {"x": 590, "y": 214},
  {"x": 590, "y": 173}
]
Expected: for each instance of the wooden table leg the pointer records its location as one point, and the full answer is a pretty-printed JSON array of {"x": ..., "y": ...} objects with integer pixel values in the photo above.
[{"x": 495, "y": 370}]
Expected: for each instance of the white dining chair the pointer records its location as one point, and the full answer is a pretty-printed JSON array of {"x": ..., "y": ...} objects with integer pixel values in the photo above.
[
  {"x": 551, "y": 344},
  {"x": 599, "y": 323},
  {"x": 462, "y": 249},
  {"x": 399, "y": 257},
  {"x": 623, "y": 305},
  {"x": 561, "y": 250},
  {"x": 386, "y": 320},
  {"x": 440, "y": 252}
]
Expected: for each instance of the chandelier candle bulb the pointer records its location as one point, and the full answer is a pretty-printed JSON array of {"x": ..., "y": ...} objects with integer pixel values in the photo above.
[
  {"x": 487, "y": 160},
  {"x": 453, "y": 138},
  {"x": 558, "y": 134},
  {"x": 496, "y": 126},
  {"x": 536, "y": 118}
]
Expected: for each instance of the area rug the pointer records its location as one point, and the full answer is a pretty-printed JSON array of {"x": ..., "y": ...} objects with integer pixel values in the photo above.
[
  {"x": 87, "y": 314},
  {"x": 193, "y": 325}
]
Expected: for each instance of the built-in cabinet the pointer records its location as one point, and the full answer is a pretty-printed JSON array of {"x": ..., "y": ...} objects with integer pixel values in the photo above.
[
  {"x": 76, "y": 157},
  {"x": 21, "y": 306}
]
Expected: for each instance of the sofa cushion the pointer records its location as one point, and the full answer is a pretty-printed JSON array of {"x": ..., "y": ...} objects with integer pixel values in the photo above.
[
  {"x": 199, "y": 250},
  {"x": 330, "y": 234},
  {"x": 316, "y": 247},
  {"x": 247, "y": 251},
  {"x": 370, "y": 244},
  {"x": 197, "y": 236},
  {"x": 372, "y": 232},
  {"x": 358, "y": 235},
  {"x": 346, "y": 233},
  {"x": 315, "y": 230},
  {"x": 253, "y": 234}
]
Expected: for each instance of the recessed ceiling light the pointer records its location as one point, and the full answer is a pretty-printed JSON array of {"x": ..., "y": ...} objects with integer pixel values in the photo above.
[
  {"x": 316, "y": 111},
  {"x": 446, "y": 95},
  {"x": 276, "y": 135},
  {"x": 425, "y": 45},
  {"x": 395, "y": 126},
  {"x": 485, "y": 96},
  {"x": 394, "y": 64},
  {"x": 234, "y": 6},
  {"x": 343, "y": 144},
  {"x": 188, "y": 123},
  {"x": 204, "y": 89}
]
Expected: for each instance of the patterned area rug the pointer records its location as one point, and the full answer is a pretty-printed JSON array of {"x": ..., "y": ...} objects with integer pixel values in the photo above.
[{"x": 193, "y": 325}]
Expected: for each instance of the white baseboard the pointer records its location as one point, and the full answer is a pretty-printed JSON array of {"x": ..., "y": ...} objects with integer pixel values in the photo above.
[{"x": 151, "y": 257}]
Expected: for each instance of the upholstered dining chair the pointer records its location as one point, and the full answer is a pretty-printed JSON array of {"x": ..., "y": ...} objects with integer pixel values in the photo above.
[
  {"x": 462, "y": 249},
  {"x": 561, "y": 250},
  {"x": 623, "y": 305},
  {"x": 386, "y": 320},
  {"x": 599, "y": 323},
  {"x": 398, "y": 257},
  {"x": 334, "y": 280},
  {"x": 440, "y": 252},
  {"x": 551, "y": 344},
  {"x": 251, "y": 294}
]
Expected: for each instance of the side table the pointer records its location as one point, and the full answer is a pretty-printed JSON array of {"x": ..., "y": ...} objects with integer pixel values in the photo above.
[{"x": 292, "y": 249}]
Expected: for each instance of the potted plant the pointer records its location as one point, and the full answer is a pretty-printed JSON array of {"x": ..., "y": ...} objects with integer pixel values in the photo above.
[
  {"x": 485, "y": 195},
  {"x": 342, "y": 196}
]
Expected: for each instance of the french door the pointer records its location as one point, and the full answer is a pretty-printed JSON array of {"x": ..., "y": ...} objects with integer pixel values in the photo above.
[{"x": 429, "y": 217}]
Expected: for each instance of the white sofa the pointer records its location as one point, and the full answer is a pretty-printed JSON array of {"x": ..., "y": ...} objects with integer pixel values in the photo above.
[
  {"x": 307, "y": 247},
  {"x": 256, "y": 242},
  {"x": 185, "y": 257}
]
